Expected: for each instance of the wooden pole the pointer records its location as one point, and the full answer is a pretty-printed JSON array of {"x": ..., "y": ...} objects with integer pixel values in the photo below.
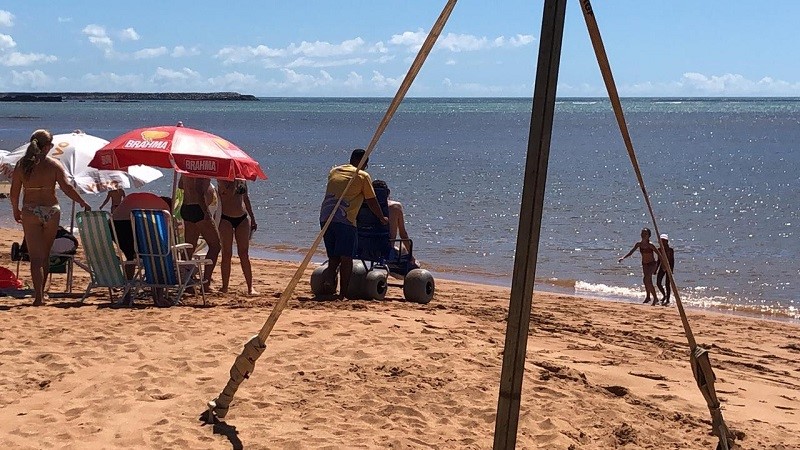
[{"x": 530, "y": 221}]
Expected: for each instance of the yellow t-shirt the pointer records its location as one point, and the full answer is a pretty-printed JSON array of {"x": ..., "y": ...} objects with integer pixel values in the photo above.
[{"x": 361, "y": 189}]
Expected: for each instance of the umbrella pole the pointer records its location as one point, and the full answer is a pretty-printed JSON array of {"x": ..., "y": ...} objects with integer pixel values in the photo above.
[
  {"x": 174, "y": 188},
  {"x": 72, "y": 218}
]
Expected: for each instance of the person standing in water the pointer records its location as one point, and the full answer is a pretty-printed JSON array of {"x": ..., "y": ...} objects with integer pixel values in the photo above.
[
  {"x": 237, "y": 223},
  {"x": 649, "y": 263},
  {"x": 662, "y": 271},
  {"x": 37, "y": 175}
]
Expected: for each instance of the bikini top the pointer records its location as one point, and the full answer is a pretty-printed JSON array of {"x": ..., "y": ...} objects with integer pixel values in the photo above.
[
  {"x": 646, "y": 249},
  {"x": 39, "y": 188}
]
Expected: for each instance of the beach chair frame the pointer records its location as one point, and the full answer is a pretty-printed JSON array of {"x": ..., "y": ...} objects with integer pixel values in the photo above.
[
  {"x": 104, "y": 259},
  {"x": 164, "y": 263}
]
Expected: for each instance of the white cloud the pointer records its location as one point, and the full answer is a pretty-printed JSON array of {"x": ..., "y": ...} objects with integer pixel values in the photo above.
[
  {"x": 64, "y": 19},
  {"x": 484, "y": 90},
  {"x": 304, "y": 82},
  {"x": 107, "y": 81},
  {"x": 129, "y": 34},
  {"x": 234, "y": 55},
  {"x": 521, "y": 39},
  {"x": 33, "y": 79},
  {"x": 6, "y": 42},
  {"x": 146, "y": 53},
  {"x": 181, "y": 51},
  {"x": 354, "y": 80},
  {"x": 234, "y": 81},
  {"x": 450, "y": 62},
  {"x": 463, "y": 42},
  {"x": 729, "y": 84},
  {"x": 6, "y": 19},
  {"x": 379, "y": 47},
  {"x": 454, "y": 42},
  {"x": 381, "y": 82},
  {"x": 306, "y": 62},
  {"x": 98, "y": 37},
  {"x": 16, "y": 59},
  {"x": 184, "y": 78},
  {"x": 326, "y": 49},
  {"x": 409, "y": 38}
]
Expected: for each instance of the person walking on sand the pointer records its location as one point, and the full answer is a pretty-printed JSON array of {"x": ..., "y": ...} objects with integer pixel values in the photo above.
[
  {"x": 662, "y": 271},
  {"x": 237, "y": 223},
  {"x": 198, "y": 221},
  {"x": 341, "y": 237},
  {"x": 37, "y": 175},
  {"x": 114, "y": 196},
  {"x": 649, "y": 263}
]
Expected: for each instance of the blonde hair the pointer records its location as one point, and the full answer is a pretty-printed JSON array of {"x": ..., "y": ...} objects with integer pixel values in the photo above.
[{"x": 40, "y": 139}]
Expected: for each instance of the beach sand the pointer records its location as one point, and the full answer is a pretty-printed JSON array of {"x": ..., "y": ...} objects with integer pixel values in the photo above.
[{"x": 388, "y": 374}]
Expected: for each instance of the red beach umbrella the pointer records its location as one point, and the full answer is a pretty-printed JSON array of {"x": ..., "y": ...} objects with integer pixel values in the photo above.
[{"x": 184, "y": 149}]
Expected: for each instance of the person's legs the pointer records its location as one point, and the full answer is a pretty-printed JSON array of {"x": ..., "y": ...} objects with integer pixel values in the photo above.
[
  {"x": 34, "y": 239},
  {"x": 50, "y": 230},
  {"x": 660, "y": 282},
  {"x": 39, "y": 238},
  {"x": 345, "y": 273},
  {"x": 226, "y": 236},
  {"x": 242, "y": 234},
  {"x": 191, "y": 233},
  {"x": 668, "y": 288},
  {"x": 649, "y": 270},
  {"x": 208, "y": 229}
]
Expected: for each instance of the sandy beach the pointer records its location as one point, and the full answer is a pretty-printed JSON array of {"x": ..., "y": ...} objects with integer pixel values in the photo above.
[{"x": 388, "y": 374}]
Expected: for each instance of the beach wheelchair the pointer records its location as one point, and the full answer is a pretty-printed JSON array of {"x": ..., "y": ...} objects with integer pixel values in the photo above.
[{"x": 377, "y": 258}]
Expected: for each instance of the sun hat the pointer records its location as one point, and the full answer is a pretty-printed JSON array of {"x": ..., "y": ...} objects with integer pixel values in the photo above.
[{"x": 664, "y": 236}]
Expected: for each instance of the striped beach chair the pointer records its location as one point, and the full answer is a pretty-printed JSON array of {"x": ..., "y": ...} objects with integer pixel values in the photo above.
[
  {"x": 104, "y": 260},
  {"x": 164, "y": 263}
]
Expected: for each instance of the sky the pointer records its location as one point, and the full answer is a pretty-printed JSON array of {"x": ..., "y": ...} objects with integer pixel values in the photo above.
[{"x": 676, "y": 48}]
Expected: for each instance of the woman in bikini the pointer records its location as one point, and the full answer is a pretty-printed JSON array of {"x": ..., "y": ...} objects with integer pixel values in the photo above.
[
  {"x": 649, "y": 263},
  {"x": 37, "y": 175},
  {"x": 237, "y": 222}
]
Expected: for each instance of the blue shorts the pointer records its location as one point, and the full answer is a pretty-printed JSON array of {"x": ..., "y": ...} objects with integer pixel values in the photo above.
[{"x": 341, "y": 239}]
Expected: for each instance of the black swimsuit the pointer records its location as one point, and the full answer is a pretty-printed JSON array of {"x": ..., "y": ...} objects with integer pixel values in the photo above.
[
  {"x": 234, "y": 221},
  {"x": 192, "y": 213}
]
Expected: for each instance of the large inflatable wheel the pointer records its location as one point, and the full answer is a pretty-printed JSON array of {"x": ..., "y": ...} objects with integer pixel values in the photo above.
[
  {"x": 357, "y": 287},
  {"x": 419, "y": 286},
  {"x": 375, "y": 286},
  {"x": 323, "y": 281}
]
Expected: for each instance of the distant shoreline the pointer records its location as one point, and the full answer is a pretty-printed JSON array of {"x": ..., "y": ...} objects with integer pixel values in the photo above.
[{"x": 122, "y": 96}]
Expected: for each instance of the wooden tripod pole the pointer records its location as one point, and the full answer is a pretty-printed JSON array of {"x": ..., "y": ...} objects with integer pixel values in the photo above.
[{"x": 530, "y": 221}]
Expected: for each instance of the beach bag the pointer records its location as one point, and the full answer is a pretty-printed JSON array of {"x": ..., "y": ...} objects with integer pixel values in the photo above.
[
  {"x": 65, "y": 243},
  {"x": 8, "y": 280}
]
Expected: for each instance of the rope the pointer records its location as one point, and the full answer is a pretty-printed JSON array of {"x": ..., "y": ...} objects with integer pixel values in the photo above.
[
  {"x": 257, "y": 345},
  {"x": 701, "y": 366}
]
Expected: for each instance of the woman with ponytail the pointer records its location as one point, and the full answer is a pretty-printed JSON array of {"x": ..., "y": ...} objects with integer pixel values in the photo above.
[{"x": 37, "y": 175}]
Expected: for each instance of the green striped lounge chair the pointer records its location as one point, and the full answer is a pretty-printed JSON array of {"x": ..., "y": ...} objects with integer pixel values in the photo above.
[
  {"x": 163, "y": 262},
  {"x": 104, "y": 260}
]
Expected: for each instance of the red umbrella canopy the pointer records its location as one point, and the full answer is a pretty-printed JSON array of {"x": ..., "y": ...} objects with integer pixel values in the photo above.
[{"x": 177, "y": 147}]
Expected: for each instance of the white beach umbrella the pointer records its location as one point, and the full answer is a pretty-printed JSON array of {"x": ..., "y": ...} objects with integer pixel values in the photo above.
[
  {"x": 5, "y": 187},
  {"x": 75, "y": 150}
]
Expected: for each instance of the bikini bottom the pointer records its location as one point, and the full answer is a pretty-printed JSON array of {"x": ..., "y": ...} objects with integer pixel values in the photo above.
[
  {"x": 234, "y": 221},
  {"x": 43, "y": 213},
  {"x": 192, "y": 213}
]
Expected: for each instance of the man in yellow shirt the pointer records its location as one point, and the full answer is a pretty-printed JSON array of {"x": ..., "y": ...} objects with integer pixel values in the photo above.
[{"x": 341, "y": 238}]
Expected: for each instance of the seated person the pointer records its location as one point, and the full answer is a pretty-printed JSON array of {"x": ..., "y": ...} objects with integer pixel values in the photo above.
[
  {"x": 122, "y": 221},
  {"x": 397, "y": 227}
]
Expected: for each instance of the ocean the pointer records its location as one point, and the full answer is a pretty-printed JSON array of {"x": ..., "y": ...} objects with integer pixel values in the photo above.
[{"x": 723, "y": 175}]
